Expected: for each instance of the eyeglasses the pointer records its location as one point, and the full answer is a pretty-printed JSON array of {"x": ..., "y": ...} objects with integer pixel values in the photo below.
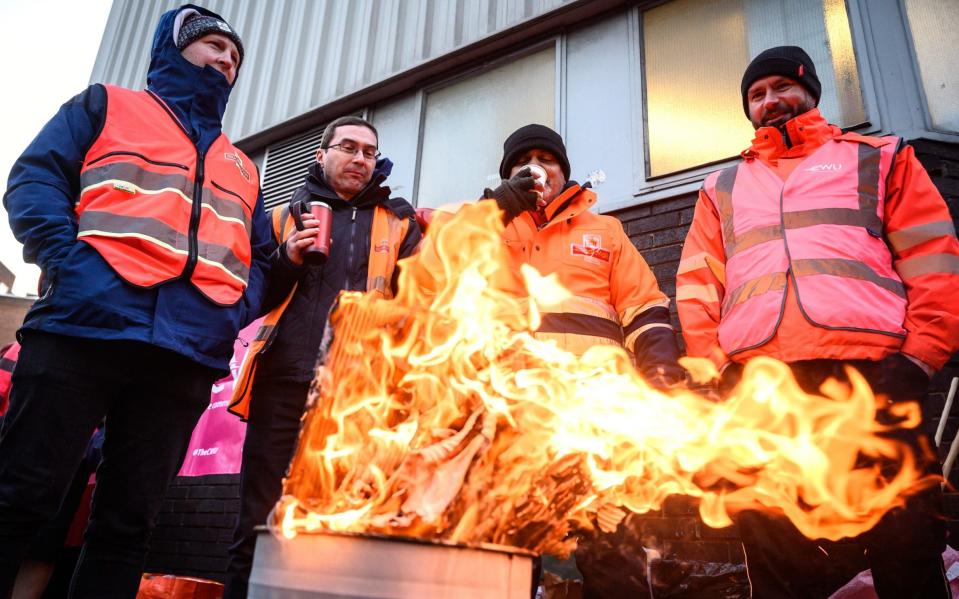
[{"x": 369, "y": 152}]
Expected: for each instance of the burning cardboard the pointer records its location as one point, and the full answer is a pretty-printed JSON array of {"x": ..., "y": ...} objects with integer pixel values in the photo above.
[{"x": 439, "y": 415}]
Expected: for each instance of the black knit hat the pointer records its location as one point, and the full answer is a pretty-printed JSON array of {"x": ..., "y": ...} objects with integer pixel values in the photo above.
[
  {"x": 196, "y": 25},
  {"x": 530, "y": 137},
  {"x": 788, "y": 61}
]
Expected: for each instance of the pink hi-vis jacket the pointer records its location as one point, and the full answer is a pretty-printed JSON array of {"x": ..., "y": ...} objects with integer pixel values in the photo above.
[{"x": 837, "y": 247}]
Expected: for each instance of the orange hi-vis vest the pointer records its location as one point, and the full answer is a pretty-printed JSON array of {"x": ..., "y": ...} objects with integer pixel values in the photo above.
[
  {"x": 387, "y": 233},
  {"x": 821, "y": 229},
  {"x": 156, "y": 210}
]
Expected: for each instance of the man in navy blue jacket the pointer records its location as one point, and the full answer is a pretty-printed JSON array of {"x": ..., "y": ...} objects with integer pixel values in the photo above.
[{"x": 149, "y": 228}]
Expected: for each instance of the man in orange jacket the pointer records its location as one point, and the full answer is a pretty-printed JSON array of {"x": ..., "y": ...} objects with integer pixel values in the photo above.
[
  {"x": 615, "y": 296},
  {"x": 825, "y": 249}
]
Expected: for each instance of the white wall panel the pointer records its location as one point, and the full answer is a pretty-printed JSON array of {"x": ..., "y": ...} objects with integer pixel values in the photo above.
[{"x": 302, "y": 54}]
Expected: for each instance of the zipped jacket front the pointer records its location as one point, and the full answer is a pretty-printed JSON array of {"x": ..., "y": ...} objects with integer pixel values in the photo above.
[
  {"x": 831, "y": 275},
  {"x": 821, "y": 230}
]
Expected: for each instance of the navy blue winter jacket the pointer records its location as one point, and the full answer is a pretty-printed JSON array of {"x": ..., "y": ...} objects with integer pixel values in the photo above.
[{"x": 81, "y": 295}]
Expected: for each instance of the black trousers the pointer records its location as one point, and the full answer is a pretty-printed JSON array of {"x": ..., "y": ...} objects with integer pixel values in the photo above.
[
  {"x": 272, "y": 430},
  {"x": 904, "y": 550},
  {"x": 63, "y": 387}
]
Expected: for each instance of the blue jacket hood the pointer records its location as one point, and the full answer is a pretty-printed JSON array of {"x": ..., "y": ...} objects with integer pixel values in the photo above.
[{"x": 197, "y": 95}]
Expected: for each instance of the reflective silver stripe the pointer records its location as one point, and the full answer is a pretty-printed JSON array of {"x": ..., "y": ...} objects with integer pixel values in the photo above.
[
  {"x": 220, "y": 255},
  {"x": 724, "y": 199},
  {"x": 865, "y": 216},
  {"x": 904, "y": 239},
  {"x": 831, "y": 216},
  {"x": 93, "y": 222},
  {"x": 868, "y": 188},
  {"x": 850, "y": 269},
  {"x": 145, "y": 180},
  {"x": 226, "y": 209},
  {"x": 775, "y": 281},
  {"x": 753, "y": 238},
  {"x": 926, "y": 265}
]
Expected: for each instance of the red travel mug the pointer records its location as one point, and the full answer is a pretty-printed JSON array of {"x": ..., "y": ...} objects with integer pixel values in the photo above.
[{"x": 320, "y": 250}]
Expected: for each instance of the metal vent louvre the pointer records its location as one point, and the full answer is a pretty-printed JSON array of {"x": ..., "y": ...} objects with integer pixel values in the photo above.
[{"x": 286, "y": 164}]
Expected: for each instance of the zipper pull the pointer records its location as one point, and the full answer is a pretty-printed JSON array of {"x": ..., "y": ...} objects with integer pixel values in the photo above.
[{"x": 354, "y": 215}]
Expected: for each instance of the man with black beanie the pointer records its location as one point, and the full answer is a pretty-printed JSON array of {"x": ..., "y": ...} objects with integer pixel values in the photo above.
[
  {"x": 616, "y": 299},
  {"x": 826, "y": 250}
]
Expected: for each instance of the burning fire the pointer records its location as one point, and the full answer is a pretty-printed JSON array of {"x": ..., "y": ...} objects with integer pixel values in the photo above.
[{"x": 438, "y": 414}]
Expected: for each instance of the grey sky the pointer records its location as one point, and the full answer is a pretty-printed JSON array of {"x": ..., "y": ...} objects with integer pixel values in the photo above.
[{"x": 48, "y": 48}]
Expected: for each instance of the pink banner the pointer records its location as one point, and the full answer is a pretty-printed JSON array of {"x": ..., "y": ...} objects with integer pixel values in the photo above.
[{"x": 217, "y": 443}]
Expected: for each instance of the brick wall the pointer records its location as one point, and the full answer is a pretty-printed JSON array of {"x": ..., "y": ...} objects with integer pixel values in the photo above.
[
  {"x": 194, "y": 528},
  {"x": 12, "y": 310}
]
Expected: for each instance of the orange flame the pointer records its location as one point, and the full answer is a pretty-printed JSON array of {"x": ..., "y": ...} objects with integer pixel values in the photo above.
[{"x": 439, "y": 414}]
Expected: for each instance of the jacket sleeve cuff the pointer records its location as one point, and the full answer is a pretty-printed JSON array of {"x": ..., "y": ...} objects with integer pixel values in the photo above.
[{"x": 915, "y": 349}]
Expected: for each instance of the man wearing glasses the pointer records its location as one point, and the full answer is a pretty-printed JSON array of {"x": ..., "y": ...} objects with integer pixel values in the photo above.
[{"x": 369, "y": 232}]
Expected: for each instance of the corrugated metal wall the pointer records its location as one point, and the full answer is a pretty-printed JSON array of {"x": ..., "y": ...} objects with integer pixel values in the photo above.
[{"x": 301, "y": 54}]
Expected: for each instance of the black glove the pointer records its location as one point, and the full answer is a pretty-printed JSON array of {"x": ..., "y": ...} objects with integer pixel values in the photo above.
[
  {"x": 665, "y": 376},
  {"x": 514, "y": 196},
  {"x": 729, "y": 378},
  {"x": 901, "y": 379}
]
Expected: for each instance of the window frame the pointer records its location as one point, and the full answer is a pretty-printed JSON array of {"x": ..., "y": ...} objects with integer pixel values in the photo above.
[
  {"x": 557, "y": 41},
  {"x": 648, "y": 188},
  {"x": 948, "y": 136}
]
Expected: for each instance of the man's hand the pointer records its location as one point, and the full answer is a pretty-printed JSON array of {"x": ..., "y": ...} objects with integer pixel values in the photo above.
[
  {"x": 514, "y": 196},
  {"x": 299, "y": 241}
]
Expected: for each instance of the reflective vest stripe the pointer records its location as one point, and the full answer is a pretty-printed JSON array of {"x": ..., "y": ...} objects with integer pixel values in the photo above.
[
  {"x": 95, "y": 222},
  {"x": 849, "y": 269},
  {"x": 121, "y": 176},
  {"x": 225, "y": 210},
  {"x": 909, "y": 237},
  {"x": 224, "y": 260},
  {"x": 123, "y": 173},
  {"x": 724, "y": 201},
  {"x": 869, "y": 163},
  {"x": 106, "y": 224},
  {"x": 775, "y": 281},
  {"x": 866, "y": 215}
]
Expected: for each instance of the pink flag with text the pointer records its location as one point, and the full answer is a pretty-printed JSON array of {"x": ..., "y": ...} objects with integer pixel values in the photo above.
[{"x": 217, "y": 443}]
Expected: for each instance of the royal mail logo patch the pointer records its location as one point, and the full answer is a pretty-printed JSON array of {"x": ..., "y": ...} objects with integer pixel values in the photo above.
[
  {"x": 591, "y": 249},
  {"x": 239, "y": 164}
]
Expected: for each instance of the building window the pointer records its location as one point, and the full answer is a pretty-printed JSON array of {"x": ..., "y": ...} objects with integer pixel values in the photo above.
[
  {"x": 935, "y": 35},
  {"x": 695, "y": 52},
  {"x": 466, "y": 122}
]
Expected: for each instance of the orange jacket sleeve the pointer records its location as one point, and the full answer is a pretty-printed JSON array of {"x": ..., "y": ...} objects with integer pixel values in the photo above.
[
  {"x": 700, "y": 283},
  {"x": 922, "y": 236},
  {"x": 643, "y": 310}
]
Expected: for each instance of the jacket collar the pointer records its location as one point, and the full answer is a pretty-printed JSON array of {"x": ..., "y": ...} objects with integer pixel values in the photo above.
[
  {"x": 573, "y": 201},
  {"x": 196, "y": 95},
  {"x": 806, "y": 132},
  {"x": 373, "y": 194}
]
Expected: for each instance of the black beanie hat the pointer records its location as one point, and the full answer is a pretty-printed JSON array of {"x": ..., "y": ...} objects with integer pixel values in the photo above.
[
  {"x": 530, "y": 137},
  {"x": 788, "y": 61},
  {"x": 196, "y": 25}
]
